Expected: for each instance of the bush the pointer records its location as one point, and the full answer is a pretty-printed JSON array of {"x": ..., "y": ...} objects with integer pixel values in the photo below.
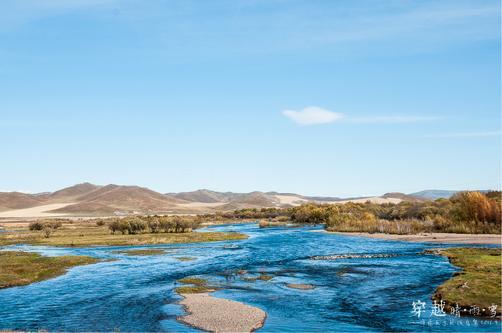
[
  {"x": 154, "y": 224},
  {"x": 114, "y": 225},
  {"x": 47, "y": 230},
  {"x": 312, "y": 214},
  {"x": 466, "y": 212},
  {"x": 47, "y": 227},
  {"x": 36, "y": 226},
  {"x": 477, "y": 207}
]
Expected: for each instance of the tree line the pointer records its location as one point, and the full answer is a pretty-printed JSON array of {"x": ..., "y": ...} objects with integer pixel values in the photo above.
[
  {"x": 153, "y": 224},
  {"x": 465, "y": 212}
]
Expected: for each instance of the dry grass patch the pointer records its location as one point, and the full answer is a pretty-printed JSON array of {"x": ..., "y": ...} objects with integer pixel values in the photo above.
[{"x": 84, "y": 234}]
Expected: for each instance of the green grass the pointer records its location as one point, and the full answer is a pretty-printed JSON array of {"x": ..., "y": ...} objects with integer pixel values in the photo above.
[
  {"x": 194, "y": 289},
  {"x": 196, "y": 286},
  {"x": 22, "y": 268},
  {"x": 86, "y": 234},
  {"x": 269, "y": 224},
  {"x": 195, "y": 281},
  {"x": 479, "y": 282},
  {"x": 142, "y": 252}
]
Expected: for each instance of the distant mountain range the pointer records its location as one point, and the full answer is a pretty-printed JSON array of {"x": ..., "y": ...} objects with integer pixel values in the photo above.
[
  {"x": 88, "y": 199},
  {"x": 434, "y": 194}
]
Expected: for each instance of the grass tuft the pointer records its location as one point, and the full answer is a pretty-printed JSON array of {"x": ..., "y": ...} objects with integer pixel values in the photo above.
[
  {"x": 194, "y": 289},
  {"x": 194, "y": 281}
]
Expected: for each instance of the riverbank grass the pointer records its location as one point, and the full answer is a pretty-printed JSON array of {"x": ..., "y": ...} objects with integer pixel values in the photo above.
[
  {"x": 83, "y": 234},
  {"x": 194, "y": 286},
  {"x": 477, "y": 285},
  {"x": 194, "y": 281},
  {"x": 22, "y": 268}
]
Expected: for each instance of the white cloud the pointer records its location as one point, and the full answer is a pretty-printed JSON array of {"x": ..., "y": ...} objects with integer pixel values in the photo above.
[{"x": 312, "y": 115}]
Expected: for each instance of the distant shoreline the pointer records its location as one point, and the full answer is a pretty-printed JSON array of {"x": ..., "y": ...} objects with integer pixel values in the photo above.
[{"x": 450, "y": 238}]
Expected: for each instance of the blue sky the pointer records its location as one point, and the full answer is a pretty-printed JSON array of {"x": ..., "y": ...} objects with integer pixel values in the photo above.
[{"x": 338, "y": 98}]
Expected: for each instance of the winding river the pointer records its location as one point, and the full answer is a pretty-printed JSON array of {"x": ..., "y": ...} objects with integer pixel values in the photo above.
[{"x": 361, "y": 284}]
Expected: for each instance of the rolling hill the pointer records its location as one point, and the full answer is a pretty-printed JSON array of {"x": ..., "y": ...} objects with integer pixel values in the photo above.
[
  {"x": 433, "y": 194},
  {"x": 111, "y": 198},
  {"x": 18, "y": 200},
  {"x": 87, "y": 199}
]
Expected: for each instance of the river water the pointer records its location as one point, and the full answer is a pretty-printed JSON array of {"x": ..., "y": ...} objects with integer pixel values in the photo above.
[{"x": 371, "y": 290}]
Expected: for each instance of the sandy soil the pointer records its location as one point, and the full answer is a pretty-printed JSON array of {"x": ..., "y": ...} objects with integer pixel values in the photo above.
[
  {"x": 200, "y": 204},
  {"x": 220, "y": 315},
  {"x": 290, "y": 200},
  {"x": 38, "y": 211},
  {"x": 434, "y": 237}
]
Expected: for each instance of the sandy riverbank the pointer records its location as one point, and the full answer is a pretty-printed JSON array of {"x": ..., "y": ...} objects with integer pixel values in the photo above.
[
  {"x": 220, "y": 315},
  {"x": 432, "y": 237}
]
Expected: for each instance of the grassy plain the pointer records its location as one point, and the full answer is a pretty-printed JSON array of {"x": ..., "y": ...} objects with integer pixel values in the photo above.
[
  {"x": 479, "y": 282},
  {"x": 22, "y": 268},
  {"x": 83, "y": 233}
]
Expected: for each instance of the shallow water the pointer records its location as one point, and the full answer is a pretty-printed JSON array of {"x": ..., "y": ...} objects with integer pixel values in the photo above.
[{"x": 135, "y": 293}]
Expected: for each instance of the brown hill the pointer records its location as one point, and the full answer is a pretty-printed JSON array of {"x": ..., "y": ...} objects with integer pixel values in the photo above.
[
  {"x": 18, "y": 200},
  {"x": 402, "y": 196},
  {"x": 89, "y": 199},
  {"x": 73, "y": 192},
  {"x": 86, "y": 208},
  {"x": 255, "y": 199},
  {"x": 112, "y": 197},
  {"x": 250, "y": 200},
  {"x": 203, "y": 195}
]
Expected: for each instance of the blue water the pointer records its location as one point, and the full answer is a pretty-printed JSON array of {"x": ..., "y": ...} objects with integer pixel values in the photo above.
[{"x": 135, "y": 293}]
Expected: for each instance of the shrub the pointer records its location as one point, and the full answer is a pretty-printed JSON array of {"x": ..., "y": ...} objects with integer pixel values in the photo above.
[
  {"x": 114, "y": 225},
  {"x": 36, "y": 226},
  {"x": 47, "y": 230},
  {"x": 154, "y": 224},
  {"x": 475, "y": 206},
  {"x": 136, "y": 225},
  {"x": 312, "y": 214},
  {"x": 47, "y": 227},
  {"x": 54, "y": 224}
]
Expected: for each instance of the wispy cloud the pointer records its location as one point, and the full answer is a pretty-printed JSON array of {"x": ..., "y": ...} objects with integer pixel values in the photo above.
[
  {"x": 464, "y": 135},
  {"x": 314, "y": 115}
]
